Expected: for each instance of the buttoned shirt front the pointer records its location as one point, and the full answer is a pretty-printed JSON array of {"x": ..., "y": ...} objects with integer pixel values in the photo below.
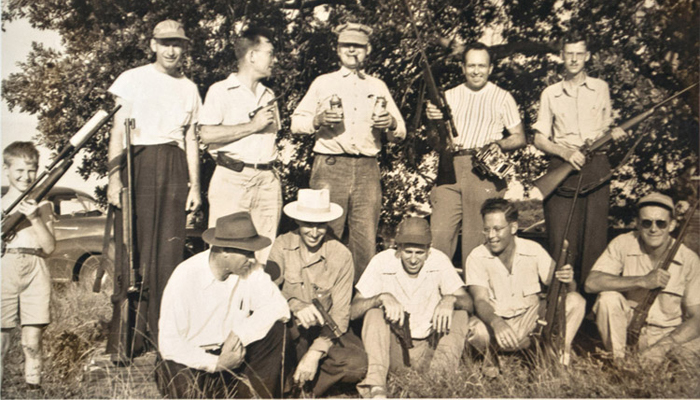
[
  {"x": 625, "y": 256},
  {"x": 480, "y": 116},
  {"x": 229, "y": 102},
  {"x": 327, "y": 277},
  {"x": 570, "y": 115},
  {"x": 420, "y": 294},
  {"x": 511, "y": 293},
  {"x": 358, "y": 93},
  {"x": 198, "y": 310}
]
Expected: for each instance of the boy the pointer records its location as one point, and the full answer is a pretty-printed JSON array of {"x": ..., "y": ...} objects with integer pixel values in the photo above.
[{"x": 26, "y": 283}]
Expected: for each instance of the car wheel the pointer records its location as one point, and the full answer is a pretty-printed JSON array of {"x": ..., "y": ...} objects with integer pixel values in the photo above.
[{"x": 88, "y": 272}]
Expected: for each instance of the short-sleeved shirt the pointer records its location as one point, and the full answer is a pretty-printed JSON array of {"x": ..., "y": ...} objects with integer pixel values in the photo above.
[
  {"x": 624, "y": 256},
  {"x": 330, "y": 274},
  {"x": 358, "y": 93},
  {"x": 229, "y": 102},
  {"x": 24, "y": 236},
  {"x": 511, "y": 293},
  {"x": 570, "y": 116},
  {"x": 480, "y": 116},
  {"x": 419, "y": 295},
  {"x": 161, "y": 105}
]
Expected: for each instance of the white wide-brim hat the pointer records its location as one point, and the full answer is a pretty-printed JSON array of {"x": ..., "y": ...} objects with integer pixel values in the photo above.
[{"x": 313, "y": 206}]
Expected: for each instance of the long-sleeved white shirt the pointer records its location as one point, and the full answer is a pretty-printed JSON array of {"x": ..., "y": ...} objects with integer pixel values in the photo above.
[{"x": 198, "y": 310}]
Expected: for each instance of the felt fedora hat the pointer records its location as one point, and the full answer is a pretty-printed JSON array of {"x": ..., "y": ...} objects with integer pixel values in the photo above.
[
  {"x": 236, "y": 231},
  {"x": 313, "y": 206}
]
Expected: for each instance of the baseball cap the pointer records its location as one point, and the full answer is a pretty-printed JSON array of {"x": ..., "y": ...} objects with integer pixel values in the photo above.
[{"x": 169, "y": 29}]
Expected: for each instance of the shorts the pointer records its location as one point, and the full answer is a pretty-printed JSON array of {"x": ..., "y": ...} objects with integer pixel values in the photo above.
[{"x": 26, "y": 290}]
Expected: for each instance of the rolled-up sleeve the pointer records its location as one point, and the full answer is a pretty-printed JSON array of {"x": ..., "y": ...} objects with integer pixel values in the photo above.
[
  {"x": 545, "y": 117},
  {"x": 400, "y": 131},
  {"x": 303, "y": 116}
]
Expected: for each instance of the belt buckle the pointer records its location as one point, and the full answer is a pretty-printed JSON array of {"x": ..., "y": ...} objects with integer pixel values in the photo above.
[{"x": 330, "y": 160}]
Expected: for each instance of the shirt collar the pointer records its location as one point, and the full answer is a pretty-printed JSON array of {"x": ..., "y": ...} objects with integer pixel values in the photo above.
[
  {"x": 232, "y": 82},
  {"x": 345, "y": 72},
  {"x": 586, "y": 83},
  {"x": 638, "y": 250},
  {"x": 521, "y": 249},
  {"x": 295, "y": 245}
]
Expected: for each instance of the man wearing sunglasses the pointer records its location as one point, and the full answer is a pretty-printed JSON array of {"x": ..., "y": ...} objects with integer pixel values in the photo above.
[{"x": 628, "y": 268}]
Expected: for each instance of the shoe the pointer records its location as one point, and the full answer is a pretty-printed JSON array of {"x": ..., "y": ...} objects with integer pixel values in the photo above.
[
  {"x": 490, "y": 372},
  {"x": 377, "y": 392},
  {"x": 35, "y": 389}
]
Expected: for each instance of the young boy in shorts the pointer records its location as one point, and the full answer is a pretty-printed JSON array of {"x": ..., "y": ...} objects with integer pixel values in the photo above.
[{"x": 26, "y": 283}]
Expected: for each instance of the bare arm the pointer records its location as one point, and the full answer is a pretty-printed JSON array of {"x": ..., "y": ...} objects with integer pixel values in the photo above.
[
  {"x": 598, "y": 281},
  {"x": 685, "y": 332},
  {"x": 115, "y": 151},
  {"x": 393, "y": 310},
  {"x": 573, "y": 157},
  {"x": 515, "y": 140},
  {"x": 224, "y": 134},
  {"x": 43, "y": 231},
  {"x": 194, "y": 197},
  {"x": 504, "y": 334}
]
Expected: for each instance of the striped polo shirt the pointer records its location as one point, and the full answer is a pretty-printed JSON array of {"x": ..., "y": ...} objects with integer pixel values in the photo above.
[{"x": 480, "y": 117}]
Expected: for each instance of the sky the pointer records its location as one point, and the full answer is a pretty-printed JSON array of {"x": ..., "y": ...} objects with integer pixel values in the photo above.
[{"x": 14, "y": 47}]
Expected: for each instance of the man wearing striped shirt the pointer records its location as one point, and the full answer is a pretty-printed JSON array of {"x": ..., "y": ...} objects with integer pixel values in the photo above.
[{"x": 481, "y": 110}]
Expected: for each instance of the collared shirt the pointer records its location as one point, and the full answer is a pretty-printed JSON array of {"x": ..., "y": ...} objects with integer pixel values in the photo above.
[
  {"x": 570, "y": 116},
  {"x": 480, "y": 116},
  {"x": 198, "y": 310},
  {"x": 24, "y": 235},
  {"x": 419, "y": 295},
  {"x": 330, "y": 274},
  {"x": 162, "y": 106},
  {"x": 624, "y": 256},
  {"x": 229, "y": 102},
  {"x": 511, "y": 293},
  {"x": 354, "y": 135}
]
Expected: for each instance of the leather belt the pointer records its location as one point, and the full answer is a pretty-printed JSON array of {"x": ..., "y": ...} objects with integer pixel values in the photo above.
[
  {"x": 238, "y": 165},
  {"x": 345, "y": 155},
  {"x": 465, "y": 152},
  {"x": 25, "y": 250}
]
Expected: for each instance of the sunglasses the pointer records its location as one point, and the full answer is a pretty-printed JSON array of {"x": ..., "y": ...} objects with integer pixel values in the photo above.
[{"x": 660, "y": 223}]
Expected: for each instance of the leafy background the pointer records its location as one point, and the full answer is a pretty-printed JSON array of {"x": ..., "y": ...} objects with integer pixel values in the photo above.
[{"x": 645, "y": 50}]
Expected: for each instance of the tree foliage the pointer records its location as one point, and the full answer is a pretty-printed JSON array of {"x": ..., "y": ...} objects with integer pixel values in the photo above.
[{"x": 645, "y": 50}]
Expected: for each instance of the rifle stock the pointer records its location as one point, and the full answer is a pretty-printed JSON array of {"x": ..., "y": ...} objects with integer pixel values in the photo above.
[
  {"x": 555, "y": 321},
  {"x": 552, "y": 179},
  {"x": 641, "y": 312}
]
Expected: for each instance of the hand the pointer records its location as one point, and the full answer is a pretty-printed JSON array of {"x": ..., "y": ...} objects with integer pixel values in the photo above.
[
  {"x": 29, "y": 208},
  {"x": 618, "y": 134},
  {"x": 442, "y": 317},
  {"x": 194, "y": 200},
  {"x": 505, "y": 336},
  {"x": 656, "y": 278},
  {"x": 264, "y": 117},
  {"x": 306, "y": 370},
  {"x": 576, "y": 159},
  {"x": 393, "y": 310},
  {"x": 309, "y": 316},
  {"x": 432, "y": 111},
  {"x": 327, "y": 118},
  {"x": 383, "y": 121},
  {"x": 657, "y": 353},
  {"x": 565, "y": 274},
  {"x": 232, "y": 353},
  {"x": 114, "y": 192}
]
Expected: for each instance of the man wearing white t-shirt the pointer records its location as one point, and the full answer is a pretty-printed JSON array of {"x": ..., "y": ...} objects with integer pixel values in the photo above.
[
  {"x": 240, "y": 128},
  {"x": 481, "y": 110},
  {"x": 164, "y": 106}
]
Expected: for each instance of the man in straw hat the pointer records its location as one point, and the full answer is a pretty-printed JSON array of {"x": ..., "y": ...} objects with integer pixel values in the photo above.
[
  {"x": 418, "y": 280},
  {"x": 221, "y": 330},
  {"x": 310, "y": 263},
  {"x": 629, "y": 267},
  {"x": 340, "y": 108}
]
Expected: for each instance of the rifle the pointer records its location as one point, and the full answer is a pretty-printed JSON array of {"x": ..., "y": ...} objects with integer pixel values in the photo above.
[
  {"x": 552, "y": 179},
  {"x": 641, "y": 312},
  {"x": 445, "y": 127},
  {"x": 328, "y": 321},
  {"x": 554, "y": 316},
  {"x": 60, "y": 165}
]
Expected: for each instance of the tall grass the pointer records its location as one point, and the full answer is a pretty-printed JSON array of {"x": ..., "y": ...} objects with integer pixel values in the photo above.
[{"x": 75, "y": 367}]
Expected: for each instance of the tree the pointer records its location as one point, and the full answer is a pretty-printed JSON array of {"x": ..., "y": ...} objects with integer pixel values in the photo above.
[{"x": 645, "y": 50}]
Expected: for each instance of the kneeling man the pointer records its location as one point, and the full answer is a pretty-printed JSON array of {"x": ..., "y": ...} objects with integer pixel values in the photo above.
[
  {"x": 504, "y": 275},
  {"x": 628, "y": 269},
  {"x": 221, "y": 321},
  {"x": 311, "y": 263},
  {"x": 418, "y": 280}
]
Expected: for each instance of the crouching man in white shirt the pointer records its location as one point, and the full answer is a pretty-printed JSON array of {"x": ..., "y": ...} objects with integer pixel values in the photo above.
[{"x": 221, "y": 331}]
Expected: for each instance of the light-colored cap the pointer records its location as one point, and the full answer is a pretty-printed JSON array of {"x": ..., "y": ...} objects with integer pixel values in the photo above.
[
  {"x": 414, "y": 230},
  {"x": 313, "y": 206},
  {"x": 352, "y": 32},
  {"x": 169, "y": 29},
  {"x": 656, "y": 199}
]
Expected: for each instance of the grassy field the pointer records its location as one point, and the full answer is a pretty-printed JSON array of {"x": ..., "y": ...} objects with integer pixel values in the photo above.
[{"x": 76, "y": 338}]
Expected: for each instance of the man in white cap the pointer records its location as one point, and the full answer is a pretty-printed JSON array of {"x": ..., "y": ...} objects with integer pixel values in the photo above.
[
  {"x": 418, "y": 280},
  {"x": 310, "y": 263},
  {"x": 339, "y": 109},
  {"x": 240, "y": 126},
  {"x": 221, "y": 325},
  {"x": 628, "y": 268},
  {"x": 164, "y": 106}
]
